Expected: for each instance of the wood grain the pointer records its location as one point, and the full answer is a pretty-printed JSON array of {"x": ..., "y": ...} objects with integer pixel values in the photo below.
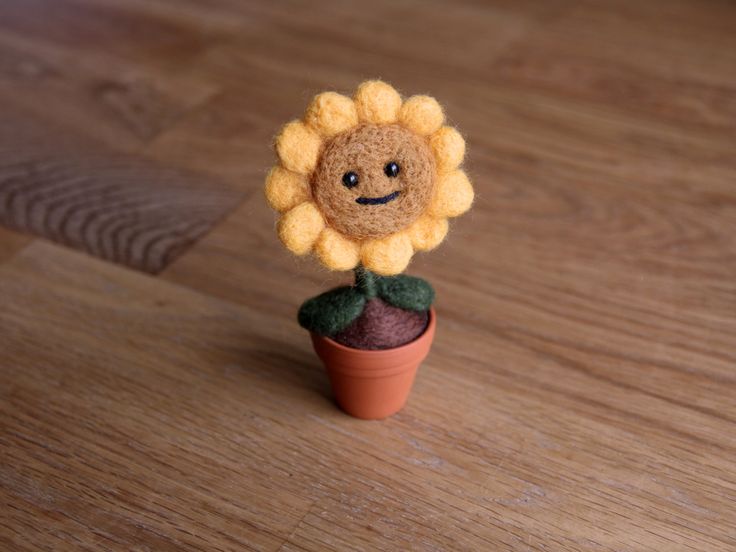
[
  {"x": 580, "y": 394},
  {"x": 117, "y": 206},
  {"x": 546, "y": 434},
  {"x": 11, "y": 242},
  {"x": 75, "y": 124}
]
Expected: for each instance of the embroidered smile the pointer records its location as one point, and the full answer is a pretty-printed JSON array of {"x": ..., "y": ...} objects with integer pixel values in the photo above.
[{"x": 378, "y": 200}]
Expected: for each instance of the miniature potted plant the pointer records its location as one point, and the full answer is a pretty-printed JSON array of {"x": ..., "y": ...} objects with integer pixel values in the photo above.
[{"x": 363, "y": 183}]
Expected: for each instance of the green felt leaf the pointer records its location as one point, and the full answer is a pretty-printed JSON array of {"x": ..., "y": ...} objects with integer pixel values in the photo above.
[
  {"x": 406, "y": 292},
  {"x": 332, "y": 311}
]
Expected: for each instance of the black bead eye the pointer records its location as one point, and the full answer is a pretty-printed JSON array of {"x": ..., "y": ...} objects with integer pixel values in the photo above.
[
  {"x": 392, "y": 169},
  {"x": 350, "y": 179}
]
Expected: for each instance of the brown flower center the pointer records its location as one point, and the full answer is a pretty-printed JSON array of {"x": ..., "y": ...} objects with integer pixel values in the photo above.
[{"x": 372, "y": 181}]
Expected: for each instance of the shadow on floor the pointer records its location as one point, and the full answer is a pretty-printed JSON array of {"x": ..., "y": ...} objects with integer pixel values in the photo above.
[{"x": 291, "y": 366}]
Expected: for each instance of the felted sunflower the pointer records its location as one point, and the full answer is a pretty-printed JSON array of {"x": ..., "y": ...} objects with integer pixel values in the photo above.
[{"x": 368, "y": 180}]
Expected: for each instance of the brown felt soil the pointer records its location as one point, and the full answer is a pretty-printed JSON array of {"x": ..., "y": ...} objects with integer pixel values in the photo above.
[{"x": 383, "y": 326}]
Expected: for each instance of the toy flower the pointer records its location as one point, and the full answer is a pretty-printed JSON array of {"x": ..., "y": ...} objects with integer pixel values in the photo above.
[
  {"x": 364, "y": 182},
  {"x": 368, "y": 180}
]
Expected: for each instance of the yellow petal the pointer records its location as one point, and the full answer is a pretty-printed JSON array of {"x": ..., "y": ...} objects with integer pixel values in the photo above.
[
  {"x": 285, "y": 189},
  {"x": 387, "y": 256},
  {"x": 331, "y": 113},
  {"x": 453, "y": 196},
  {"x": 298, "y": 147},
  {"x": 422, "y": 114},
  {"x": 300, "y": 228},
  {"x": 337, "y": 252},
  {"x": 377, "y": 102},
  {"x": 448, "y": 148},
  {"x": 428, "y": 232}
]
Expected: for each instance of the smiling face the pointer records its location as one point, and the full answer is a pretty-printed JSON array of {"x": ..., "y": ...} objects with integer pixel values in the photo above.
[{"x": 374, "y": 180}]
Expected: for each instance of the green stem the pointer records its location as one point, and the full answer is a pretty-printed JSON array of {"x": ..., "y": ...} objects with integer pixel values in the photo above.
[{"x": 365, "y": 282}]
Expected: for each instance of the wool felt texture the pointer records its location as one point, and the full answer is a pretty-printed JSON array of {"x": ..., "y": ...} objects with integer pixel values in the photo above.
[
  {"x": 298, "y": 147},
  {"x": 377, "y": 102},
  {"x": 366, "y": 282},
  {"x": 331, "y": 113},
  {"x": 286, "y": 189},
  {"x": 378, "y": 200},
  {"x": 366, "y": 210},
  {"x": 383, "y": 326},
  {"x": 300, "y": 228},
  {"x": 389, "y": 255},
  {"x": 453, "y": 195},
  {"x": 336, "y": 251},
  {"x": 406, "y": 292},
  {"x": 448, "y": 147},
  {"x": 422, "y": 114},
  {"x": 332, "y": 311},
  {"x": 385, "y": 216},
  {"x": 428, "y": 232}
]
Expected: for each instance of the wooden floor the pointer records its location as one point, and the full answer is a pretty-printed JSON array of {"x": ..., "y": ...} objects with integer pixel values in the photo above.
[{"x": 581, "y": 391}]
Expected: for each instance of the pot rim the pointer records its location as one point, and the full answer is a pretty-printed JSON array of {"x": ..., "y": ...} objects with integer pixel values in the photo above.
[{"x": 431, "y": 322}]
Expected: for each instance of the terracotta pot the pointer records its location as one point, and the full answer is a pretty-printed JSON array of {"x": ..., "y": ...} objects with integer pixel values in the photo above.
[{"x": 373, "y": 384}]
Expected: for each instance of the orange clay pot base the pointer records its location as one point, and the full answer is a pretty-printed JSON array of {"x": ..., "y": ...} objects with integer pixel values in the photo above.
[
  {"x": 372, "y": 384},
  {"x": 374, "y": 202}
]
